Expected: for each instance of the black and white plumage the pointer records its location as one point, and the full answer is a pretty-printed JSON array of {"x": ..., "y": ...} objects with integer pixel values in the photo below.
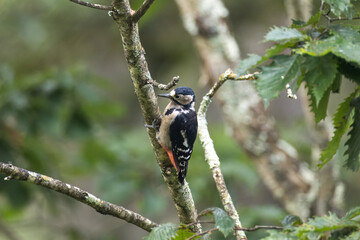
[{"x": 178, "y": 128}]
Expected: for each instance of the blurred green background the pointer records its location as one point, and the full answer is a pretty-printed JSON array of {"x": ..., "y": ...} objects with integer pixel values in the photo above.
[{"x": 68, "y": 110}]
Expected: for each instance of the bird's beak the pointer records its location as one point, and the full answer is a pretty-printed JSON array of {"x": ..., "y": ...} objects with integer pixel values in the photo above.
[{"x": 165, "y": 95}]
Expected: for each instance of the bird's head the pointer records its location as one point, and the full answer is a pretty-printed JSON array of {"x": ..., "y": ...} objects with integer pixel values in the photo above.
[{"x": 181, "y": 95}]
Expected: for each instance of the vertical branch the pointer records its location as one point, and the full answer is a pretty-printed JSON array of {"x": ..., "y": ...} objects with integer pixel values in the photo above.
[
  {"x": 141, "y": 77},
  {"x": 211, "y": 156}
]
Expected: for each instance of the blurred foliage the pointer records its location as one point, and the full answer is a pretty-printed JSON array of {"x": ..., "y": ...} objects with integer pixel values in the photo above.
[{"x": 44, "y": 117}]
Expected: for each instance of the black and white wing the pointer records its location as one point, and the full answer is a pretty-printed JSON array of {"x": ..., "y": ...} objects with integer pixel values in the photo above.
[{"x": 183, "y": 132}]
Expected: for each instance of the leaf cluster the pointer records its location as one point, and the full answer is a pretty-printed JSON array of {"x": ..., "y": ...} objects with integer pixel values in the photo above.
[
  {"x": 319, "y": 56},
  {"x": 222, "y": 222},
  {"x": 329, "y": 227}
]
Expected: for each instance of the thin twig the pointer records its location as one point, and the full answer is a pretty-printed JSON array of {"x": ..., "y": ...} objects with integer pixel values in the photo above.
[
  {"x": 93, "y": 5},
  {"x": 161, "y": 86},
  {"x": 142, "y": 10},
  {"x": 344, "y": 19},
  {"x": 250, "y": 229},
  {"x": 202, "y": 233},
  {"x": 99, "y": 205},
  {"x": 228, "y": 75},
  {"x": 257, "y": 227}
]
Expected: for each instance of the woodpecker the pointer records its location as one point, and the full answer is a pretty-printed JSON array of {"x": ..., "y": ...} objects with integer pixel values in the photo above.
[{"x": 178, "y": 128}]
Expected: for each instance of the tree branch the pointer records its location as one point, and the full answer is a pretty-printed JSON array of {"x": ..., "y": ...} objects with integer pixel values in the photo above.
[
  {"x": 140, "y": 77},
  {"x": 78, "y": 194},
  {"x": 250, "y": 229},
  {"x": 202, "y": 233},
  {"x": 211, "y": 156},
  {"x": 258, "y": 227},
  {"x": 142, "y": 10},
  {"x": 160, "y": 86},
  {"x": 93, "y": 5}
]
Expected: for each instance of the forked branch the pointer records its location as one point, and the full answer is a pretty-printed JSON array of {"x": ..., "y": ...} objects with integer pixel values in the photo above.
[{"x": 142, "y": 10}]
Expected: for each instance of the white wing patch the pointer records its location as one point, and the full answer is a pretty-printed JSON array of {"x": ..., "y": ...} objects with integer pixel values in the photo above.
[{"x": 185, "y": 143}]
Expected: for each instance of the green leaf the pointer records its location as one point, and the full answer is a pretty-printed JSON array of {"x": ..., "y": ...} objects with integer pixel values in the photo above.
[
  {"x": 275, "y": 50},
  {"x": 319, "y": 112},
  {"x": 248, "y": 63},
  {"x": 274, "y": 77},
  {"x": 183, "y": 233},
  {"x": 223, "y": 221},
  {"x": 341, "y": 124},
  {"x": 254, "y": 60},
  {"x": 290, "y": 221},
  {"x": 344, "y": 43},
  {"x": 277, "y": 235},
  {"x": 320, "y": 74},
  {"x": 312, "y": 21},
  {"x": 165, "y": 231},
  {"x": 353, "y": 143},
  {"x": 330, "y": 222},
  {"x": 349, "y": 70},
  {"x": 353, "y": 213},
  {"x": 297, "y": 23},
  {"x": 322, "y": 107},
  {"x": 278, "y": 34},
  {"x": 335, "y": 88},
  {"x": 339, "y": 6},
  {"x": 352, "y": 236}
]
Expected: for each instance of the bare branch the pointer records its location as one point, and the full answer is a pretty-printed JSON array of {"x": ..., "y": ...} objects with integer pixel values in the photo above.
[
  {"x": 251, "y": 229},
  {"x": 93, "y": 5},
  {"x": 142, "y": 10},
  {"x": 161, "y": 86},
  {"x": 211, "y": 156},
  {"x": 258, "y": 227},
  {"x": 229, "y": 75},
  {"x": 76, "y": 193},
  {"x": 340, "y": 18}
]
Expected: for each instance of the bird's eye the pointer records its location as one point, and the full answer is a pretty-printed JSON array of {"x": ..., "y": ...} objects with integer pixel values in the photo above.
[{"x": 176, "y": 96}]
